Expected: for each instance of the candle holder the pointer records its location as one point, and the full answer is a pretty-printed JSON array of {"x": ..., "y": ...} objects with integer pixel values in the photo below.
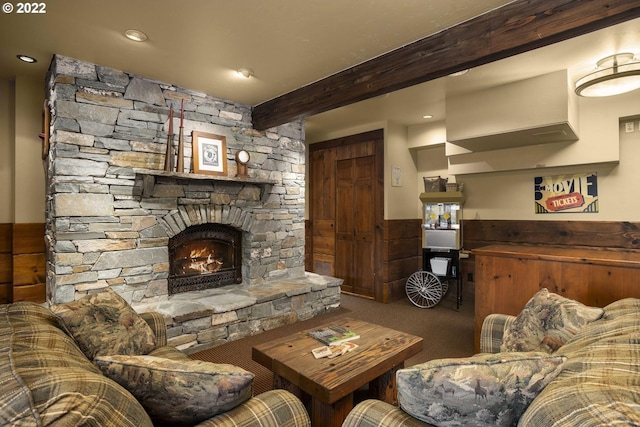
[
  {"x": 168, "y": 157},
  {"x": 180, "y": 161},
  {"x": 180, "y": 164}
]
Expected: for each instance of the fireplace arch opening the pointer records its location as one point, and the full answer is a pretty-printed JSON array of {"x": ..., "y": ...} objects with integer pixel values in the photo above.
[{"x": 204, "y": 256}]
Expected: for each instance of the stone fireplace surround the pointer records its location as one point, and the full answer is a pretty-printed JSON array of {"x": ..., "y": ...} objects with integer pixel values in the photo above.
[{"x": 111, "y": 209}]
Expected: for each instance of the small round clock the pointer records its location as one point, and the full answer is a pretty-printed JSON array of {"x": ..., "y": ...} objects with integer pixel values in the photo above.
[{"x": 242, "y": 158}]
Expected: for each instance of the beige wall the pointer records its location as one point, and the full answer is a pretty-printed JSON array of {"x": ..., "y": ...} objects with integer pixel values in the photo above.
[
  {"x": 508, "y": 194},
  {"x": 400, "y": 198},
  {"x": 6, "y": 150},
  {"x": 21, "y": 169},
  {"x": 419, "y": 151},
  {"x": 495, "y": 195}
]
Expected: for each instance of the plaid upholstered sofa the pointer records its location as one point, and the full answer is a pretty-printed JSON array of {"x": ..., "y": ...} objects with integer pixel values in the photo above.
[
  {"x": 598, "y": 383},
  {"x": 46, "y": 380}
]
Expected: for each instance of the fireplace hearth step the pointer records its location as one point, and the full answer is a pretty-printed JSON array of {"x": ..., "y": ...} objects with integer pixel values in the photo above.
[{"x": 202, "y": 319}]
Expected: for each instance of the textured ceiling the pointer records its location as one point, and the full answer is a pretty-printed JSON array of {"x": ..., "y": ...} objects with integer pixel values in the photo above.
[{"x": 198, "y": 44}]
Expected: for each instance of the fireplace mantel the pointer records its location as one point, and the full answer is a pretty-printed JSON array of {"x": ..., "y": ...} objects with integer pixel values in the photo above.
[{"x": 149, "y": 178}]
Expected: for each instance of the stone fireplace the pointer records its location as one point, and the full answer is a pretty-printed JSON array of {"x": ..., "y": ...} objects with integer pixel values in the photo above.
[
  {"x": 115, "y": 217},
  {"x": 204, "y": 256}
]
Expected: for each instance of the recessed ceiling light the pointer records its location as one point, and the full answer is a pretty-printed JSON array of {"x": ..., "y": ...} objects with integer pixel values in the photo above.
[
  {"x": 427, "y": 116},
  {"x": 245, "y": 72},
  {"x": 136, "y": 35},
  {"x": 27, "y": 58},
  {"x": 459, "y": 73}
]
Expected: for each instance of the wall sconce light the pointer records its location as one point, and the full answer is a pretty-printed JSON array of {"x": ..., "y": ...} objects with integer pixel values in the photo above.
[{"x": 616, "y": 74}]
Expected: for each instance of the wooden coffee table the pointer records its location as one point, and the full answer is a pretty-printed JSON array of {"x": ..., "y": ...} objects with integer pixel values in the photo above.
[{"x": 326, "y": 386}]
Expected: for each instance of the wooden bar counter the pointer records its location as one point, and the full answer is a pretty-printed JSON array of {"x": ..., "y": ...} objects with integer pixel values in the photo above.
[{"x": 507, "y": 276}]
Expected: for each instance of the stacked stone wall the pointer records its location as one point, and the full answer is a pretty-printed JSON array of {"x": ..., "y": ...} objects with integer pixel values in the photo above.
[{"x": 106, "y": 226}]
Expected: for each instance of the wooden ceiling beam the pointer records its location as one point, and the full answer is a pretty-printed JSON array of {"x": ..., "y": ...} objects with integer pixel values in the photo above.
[{"x": 515, "y": 28}]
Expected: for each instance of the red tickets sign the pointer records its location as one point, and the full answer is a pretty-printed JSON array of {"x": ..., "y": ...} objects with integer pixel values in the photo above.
[{"x": 566, "y": 201}]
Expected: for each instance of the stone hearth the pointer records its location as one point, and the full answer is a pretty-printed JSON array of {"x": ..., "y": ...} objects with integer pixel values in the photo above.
[
  {"x": 111, "y": 208},
  {"x": 202, "y": 319}
]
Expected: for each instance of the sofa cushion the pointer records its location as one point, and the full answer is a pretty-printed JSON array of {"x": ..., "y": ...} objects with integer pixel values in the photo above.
[
  {"x": 46, "y": 379},
  {"x": 179, "y": 392},
  {"x": 74, "y": 397},
  {"x": 377, "y": 413},
  {"x": 547, "y": 321},
  {"x": 600, "y": 382},
  {"x": 103, "y": 323},
  {"x": 169, "y": 352},
  {"x": 272, "y": 408},
  {"x": 16, "y": 407},
  {"x": 483, "y": 390}
]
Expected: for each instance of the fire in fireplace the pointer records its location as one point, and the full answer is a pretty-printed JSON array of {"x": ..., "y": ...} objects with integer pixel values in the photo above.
[{"x": 205, "y": 256}]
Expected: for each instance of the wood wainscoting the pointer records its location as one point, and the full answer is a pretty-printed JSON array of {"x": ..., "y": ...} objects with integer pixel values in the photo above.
[
  {"x": 594, "y": 262},
  {"x": 402, "y": 256},
  {"x": 22, "y": 263},
  {"x": 6, "y": 263},
  {"x": 588, "y": 234}
]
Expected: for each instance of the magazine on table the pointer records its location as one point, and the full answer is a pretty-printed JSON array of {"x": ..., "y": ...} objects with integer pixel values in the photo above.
[
  {"x": 333, "y": 334},
  {"x": 334, "y": 350}
]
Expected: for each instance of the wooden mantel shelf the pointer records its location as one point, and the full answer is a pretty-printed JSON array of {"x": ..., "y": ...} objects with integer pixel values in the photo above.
[
  {"x": 149, "y": 176},
  {"x": 203, "y": 177}
]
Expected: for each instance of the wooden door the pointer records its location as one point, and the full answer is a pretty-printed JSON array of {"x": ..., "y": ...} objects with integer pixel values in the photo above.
[
  {"x": 355, "y": 224},
  {"x": 347, "y": 180},
  {"x": 322, "y": 208}
]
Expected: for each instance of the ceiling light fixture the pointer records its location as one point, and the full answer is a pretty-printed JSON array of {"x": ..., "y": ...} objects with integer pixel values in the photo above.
[
  {"x": 614, "y": 75},
  {"x": 427, "y": 116},
  {"x": 459, "y": 73},
  {"x": 245, "y": 72},
  {"x": 26, "y": 58},
  {"x": 136, "y": 35}
]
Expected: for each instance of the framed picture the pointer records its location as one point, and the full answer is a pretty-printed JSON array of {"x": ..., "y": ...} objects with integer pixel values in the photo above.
[{"x": 209, "y": 153}]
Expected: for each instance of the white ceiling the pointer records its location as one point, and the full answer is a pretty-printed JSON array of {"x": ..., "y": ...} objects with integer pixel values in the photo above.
[{"x": 198, "y": 44}]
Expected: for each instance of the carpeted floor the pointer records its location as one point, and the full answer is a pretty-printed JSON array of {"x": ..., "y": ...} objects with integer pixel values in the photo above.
[{"x": 446, "y": 332}]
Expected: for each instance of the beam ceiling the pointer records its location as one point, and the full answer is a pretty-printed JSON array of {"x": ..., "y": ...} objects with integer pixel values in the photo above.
[{"x": 515, "y": 28}]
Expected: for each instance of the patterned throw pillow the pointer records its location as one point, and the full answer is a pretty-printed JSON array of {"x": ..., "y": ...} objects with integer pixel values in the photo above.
[
  {"x": 104, "y": 324},
  {"x": 483, "y": 390},
  {"x": 547, "y": 321},
  {"x": 179, "y": 393}
]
